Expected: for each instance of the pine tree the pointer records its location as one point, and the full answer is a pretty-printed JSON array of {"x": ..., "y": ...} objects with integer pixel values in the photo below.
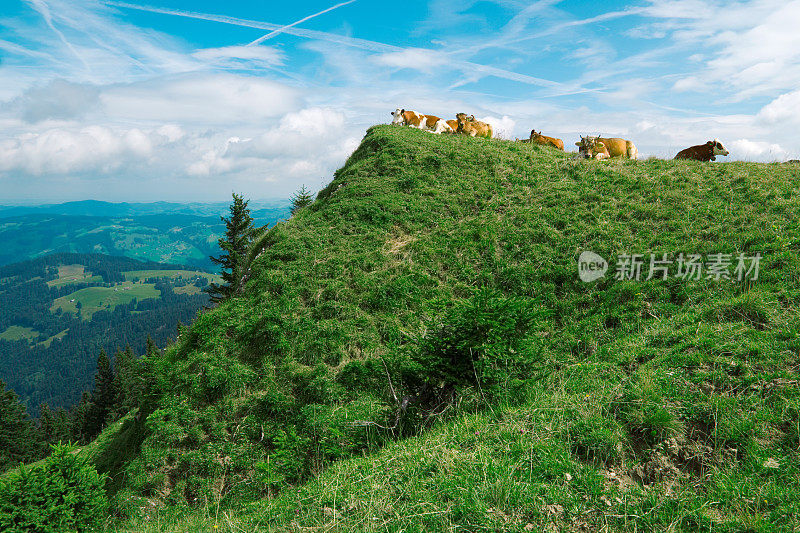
[
  {"x": 238, "y": 235},
  {"x": 126, "y": 383},
  {"x": 79, "y": 418},
  {"x": 17, "y": 432},
  {"x": 47, "y": 421},
  {"x": 300, "y": 199},
  {"x": 102, "y": 399}
]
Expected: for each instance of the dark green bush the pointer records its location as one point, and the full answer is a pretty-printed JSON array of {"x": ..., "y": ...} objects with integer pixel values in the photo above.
[
  {"x": 65, "y": 493},
  {"x": 483, "y": 341}
]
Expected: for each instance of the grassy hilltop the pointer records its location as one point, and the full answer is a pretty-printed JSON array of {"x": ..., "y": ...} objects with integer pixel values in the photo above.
[{"x": 442, "y": 270}]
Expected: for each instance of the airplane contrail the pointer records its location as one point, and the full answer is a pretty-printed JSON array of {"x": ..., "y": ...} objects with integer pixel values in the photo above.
[
  {"x": 273, "y": 33},
  {"x": 364, "y": 44},
  {"x": 42, "y": 8}
]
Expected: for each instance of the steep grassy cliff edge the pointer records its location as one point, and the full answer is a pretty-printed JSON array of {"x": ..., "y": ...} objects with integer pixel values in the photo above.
[{"x": 415, "y": 352}]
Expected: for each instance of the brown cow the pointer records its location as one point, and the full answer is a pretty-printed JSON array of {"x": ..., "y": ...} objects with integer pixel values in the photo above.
[
  {"x": 474, "y": 128},
  {"x": 703, "y": 152},
  {"x": 592, "y": 148},
  {"x": 615, "y": 146},
  {"x": 538, "y": 138},
  {"x": 429, "y": 123}
]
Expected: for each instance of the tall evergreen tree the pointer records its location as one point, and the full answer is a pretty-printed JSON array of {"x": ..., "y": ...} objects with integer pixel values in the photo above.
[
  {"x": 18, "y": 440},
  {"x": 126, "y": 383},
  {"x": 300, "y": 199},
  {"x": 238, "y": 235},
  {"x": 79, "y": 418},
  {"x": 102, "y": 399}
]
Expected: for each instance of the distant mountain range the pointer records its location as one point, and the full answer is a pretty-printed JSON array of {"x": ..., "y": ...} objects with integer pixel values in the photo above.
[
  {"x": 264, "y": 209},
  {"x": 184, "y": 234}
]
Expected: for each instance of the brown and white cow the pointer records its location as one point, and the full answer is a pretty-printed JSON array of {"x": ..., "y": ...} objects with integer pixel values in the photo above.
[
  {"x": 429, "y": 123},
  {"x": 592, "y": 148},
  {"x": 538, "y": 138},
  {"x": 703, "y": 152},
  {"x": 468, "y": 125},
  {"x": 615, "y": 146}
]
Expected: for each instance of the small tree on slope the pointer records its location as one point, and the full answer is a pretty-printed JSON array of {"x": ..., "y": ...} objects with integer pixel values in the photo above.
[
  {"x": 238, "y": 235},
  {"x": 300, "y": 199}
]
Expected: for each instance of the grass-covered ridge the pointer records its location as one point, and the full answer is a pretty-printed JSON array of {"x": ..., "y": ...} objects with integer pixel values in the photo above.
[{"x": 632, "y": 405}]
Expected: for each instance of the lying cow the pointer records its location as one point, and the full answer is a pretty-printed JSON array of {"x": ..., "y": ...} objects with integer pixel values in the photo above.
[
  {"x": 615, "y": 146},
  {"x": 538, "y": 138},
  {"x": 474, "y": 128},
  {"x": 592, "y": 148},
  {"x": 703, "y": 152},
  {"x": 429, "y": 123}
]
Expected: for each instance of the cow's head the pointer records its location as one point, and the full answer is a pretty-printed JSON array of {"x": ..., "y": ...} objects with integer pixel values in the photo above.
[
  {"x": 398, "y": 116},
  {"x": 585, "y": 144},
  {"x": 717, "y": 147},
  {"x": 589, "y": 146}
]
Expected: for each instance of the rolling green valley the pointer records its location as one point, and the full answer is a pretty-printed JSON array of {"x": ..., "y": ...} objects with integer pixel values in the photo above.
[
  {"x": 59, "y": 311},
  {"x": 160, "y": 232}
]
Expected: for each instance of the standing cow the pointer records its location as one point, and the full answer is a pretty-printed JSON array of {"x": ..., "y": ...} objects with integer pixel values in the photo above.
[
  {"x": 703, "y": 152},
  {"x": 428, "y": 123}
]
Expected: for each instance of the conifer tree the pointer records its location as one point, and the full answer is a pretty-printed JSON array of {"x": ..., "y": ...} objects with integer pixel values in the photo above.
[
  {"x": 238, "y": 235},
  {"x": 17, "y": 432},
  {"x": 102, "y": 399},
  {"x": 79, "y": 418},
  {"x": 126, "y": 385},
  {"x": 300, "y": 199}
]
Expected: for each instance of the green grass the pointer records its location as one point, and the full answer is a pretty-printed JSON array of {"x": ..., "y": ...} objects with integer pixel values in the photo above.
[
  {"x": 73, "y": 274},
  {"x": 18, "y": 333},
  {"x": 93, "y": 299},
  {"x": 644, "y": 406},
  {"x": 57, "y": 337},
  {"x": 171, "y": 274}
]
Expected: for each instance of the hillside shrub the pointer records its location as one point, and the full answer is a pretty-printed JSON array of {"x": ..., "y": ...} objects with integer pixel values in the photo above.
[
  {"x": 482, "y": 342},
  {"x": 65, "y": 493}
]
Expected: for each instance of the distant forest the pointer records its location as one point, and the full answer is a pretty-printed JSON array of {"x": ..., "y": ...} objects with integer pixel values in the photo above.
[{"x": 54, "y": 359}]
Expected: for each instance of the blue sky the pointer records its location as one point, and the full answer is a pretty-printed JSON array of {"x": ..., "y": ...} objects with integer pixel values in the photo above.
[{"x": 178, "y": 100}]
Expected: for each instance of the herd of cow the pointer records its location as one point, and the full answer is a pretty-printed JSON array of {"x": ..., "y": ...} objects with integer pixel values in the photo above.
[{"x": 588, "y": 147}]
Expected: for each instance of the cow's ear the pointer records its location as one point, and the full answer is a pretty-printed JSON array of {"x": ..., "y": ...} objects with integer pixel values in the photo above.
[
  {"x": 577, "y": 144},
  {"x": 392, "y": 113}
]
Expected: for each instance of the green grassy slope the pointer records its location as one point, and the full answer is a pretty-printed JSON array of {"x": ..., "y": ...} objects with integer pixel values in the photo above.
[{"x": 646, "y": 405}]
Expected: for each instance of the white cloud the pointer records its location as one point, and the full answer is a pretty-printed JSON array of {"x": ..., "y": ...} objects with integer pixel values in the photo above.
[
  {"x": 413, "y": 58},
  {"x": 785, "y": 108},
  {"x": 58, "y": 100},
  {"x": 761, "y": 150},
  {"x": 201, "y": 98},
  {"x": 503, "y": 128},
  {"x": 690, "y": 83},
  {"x": 263, "y": 55},
  {"x": 70, "y": 151}
]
